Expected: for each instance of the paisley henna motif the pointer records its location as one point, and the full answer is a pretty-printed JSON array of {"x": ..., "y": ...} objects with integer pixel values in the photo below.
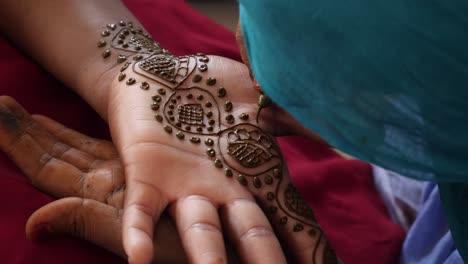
[{"x": 166, "y": 69}]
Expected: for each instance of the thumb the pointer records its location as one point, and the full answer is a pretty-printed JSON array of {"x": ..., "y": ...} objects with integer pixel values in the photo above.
[{"x": 87, "y": 219}]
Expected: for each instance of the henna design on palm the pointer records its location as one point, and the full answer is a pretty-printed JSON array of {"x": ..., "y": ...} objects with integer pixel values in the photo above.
[{"x": 202, "y": 115}]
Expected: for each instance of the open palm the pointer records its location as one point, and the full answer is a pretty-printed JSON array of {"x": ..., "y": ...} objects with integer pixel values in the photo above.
[{"x": 184, "y": 127}]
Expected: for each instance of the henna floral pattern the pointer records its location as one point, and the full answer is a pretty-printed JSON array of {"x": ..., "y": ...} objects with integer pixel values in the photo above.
[{"x": 202, "y": 115}]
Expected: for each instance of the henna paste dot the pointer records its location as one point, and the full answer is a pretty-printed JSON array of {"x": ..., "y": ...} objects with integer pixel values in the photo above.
[
  {"x": 122, "y": 76},
  {"x": 170, "y": 112},
  {"x": 155, "y": 106},
  {"x": 209, "y": 142},
  {"x": 211, "y": 122},
  {"x": 203, "y": 67},
  {"x": 209, "y": 114},
  {"x": 121, "y": 23},
  {"x": 139, "y": 30},
  {"x": 228, "y": 106},
  {"x": 208, "y": 104},
  {"x": 298, "y": 227},
  {"x": 168, "y": 129},
  {"x": 144, "y": 86},
  {"x": 211, "y": 81},
  {"x": 162, "y": 91},
  {"x": 230, "y": 119},
  {"x": 270, "y": 196},
  {"x": 105, "y": 33},
  {"x": 197, "y": 78},
  {"x": 189, "y": 96},
  {"x": 242, "y": 180},
  {"x": 178, "y": 124},
  {"x": 244, "y": 116},
  {"x": 111, "y": 26},
  {"x": 178, "y": 97},
  {"x": 312, "y": 233},
  {"x": 130, "y": 24},
  {"x": 173, "y": 100},
  {"x": 284, "y": 220},
  {"x": 199, "y": 129},
  {"x": 221, "y": 92},
  {"x": 138, "y": 57},
  {"x": 119, "y": 41},
  {"x": 188, "y": 128},
  {"x": 211, "y": 152},
  {"x": 273, "y": 209},
  {"x": 157, "y": 98},
  {"x": 171, "y": 106},
  {"x": 131, "y": 81},
  {"x": 137, "y": 48},
  {"x": 218, "y": 163},
  {"x": 195, "y": 140},
  {"x": 180, "y": 135},
  {"x": 158, "y": 118},
  {"x": 126, "y": 32},
  {"x": 125, "y": 45},
  {"x": 172, "y": 118},
  {"x": 268, "y": 180},
  {"x": 125, "y": 66},
  {"x": 257, "y": 183},
  {"x": 101, "y": 43},
  {"x": 228, "y": 173},
  {"x": 200, "y": 97},
  {"x": 106, "y": 53},
  {"x": 277, "y": 173},
  {"x": 210, "y": 128},
  {"x": 204, "y": 59},
  {"x": 122, "y": 36},
  {"x": 121, "y": 58}
]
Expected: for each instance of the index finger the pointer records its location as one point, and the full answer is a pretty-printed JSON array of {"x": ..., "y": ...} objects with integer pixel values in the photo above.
[{"x": 144, "y": 204}]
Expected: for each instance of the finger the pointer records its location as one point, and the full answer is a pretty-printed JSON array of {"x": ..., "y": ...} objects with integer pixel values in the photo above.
[
  {"x": 200, "y": 229},
  {"x": 87, "y": 219},
  {"x": 18, "y": 131},
  {"x": 143, "y": 207},
  {"x": 101, "y": 149},
  {"x": 251, "y": 233}
]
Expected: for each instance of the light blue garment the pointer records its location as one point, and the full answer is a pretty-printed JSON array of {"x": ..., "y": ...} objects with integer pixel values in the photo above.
[
  {"x": 429, "y": 240},
  {"x": 385, "y": 81}
]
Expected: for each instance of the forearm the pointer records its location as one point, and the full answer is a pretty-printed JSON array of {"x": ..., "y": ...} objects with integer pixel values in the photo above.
[{"x": 62, "y": 35}]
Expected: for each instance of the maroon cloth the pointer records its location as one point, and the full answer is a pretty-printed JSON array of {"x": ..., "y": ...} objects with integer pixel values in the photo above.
[{"x": 340, "y": 191}]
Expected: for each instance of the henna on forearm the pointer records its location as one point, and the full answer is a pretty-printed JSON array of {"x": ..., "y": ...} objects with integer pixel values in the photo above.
[{"x": 202, "y": 114}]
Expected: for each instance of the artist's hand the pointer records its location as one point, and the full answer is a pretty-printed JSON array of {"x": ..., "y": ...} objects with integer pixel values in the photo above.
[
  {"x": 186, "y": 132},
  {"x": 65, "y": 163}
]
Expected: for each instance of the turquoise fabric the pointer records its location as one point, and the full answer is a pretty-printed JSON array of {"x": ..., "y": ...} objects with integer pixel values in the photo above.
[{"x": 385, "y": 81}]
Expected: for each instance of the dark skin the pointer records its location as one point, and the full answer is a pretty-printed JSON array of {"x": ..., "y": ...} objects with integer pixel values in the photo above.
[{"x": 64, "y": 163}]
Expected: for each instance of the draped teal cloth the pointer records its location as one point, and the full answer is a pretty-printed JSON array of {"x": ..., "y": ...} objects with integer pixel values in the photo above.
[{"x": 385, "y": 81}]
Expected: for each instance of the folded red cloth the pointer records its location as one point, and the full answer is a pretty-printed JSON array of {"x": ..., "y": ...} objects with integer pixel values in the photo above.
[{"x": 340, "y": 191}]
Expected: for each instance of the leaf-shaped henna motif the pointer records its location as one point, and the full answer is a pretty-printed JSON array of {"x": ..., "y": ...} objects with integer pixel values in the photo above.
[
  {"x": 246, "y": 150},
  {"x": 249, "y": 150},
  {"x": 166, "y": 69},
  {"x": 296, "y": 203}
]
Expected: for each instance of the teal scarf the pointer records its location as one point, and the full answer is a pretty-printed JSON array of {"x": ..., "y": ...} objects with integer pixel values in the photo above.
[{"x": 385, "y": 81}]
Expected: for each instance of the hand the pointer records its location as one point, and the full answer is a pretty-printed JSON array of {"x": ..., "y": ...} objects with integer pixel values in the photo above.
[
  {"x": 65, "y": 163},
  {"x": 185, "y": 131}
]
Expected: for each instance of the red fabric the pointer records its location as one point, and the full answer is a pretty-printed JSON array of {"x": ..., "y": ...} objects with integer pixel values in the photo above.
[{"x": 340, "y": 191}]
